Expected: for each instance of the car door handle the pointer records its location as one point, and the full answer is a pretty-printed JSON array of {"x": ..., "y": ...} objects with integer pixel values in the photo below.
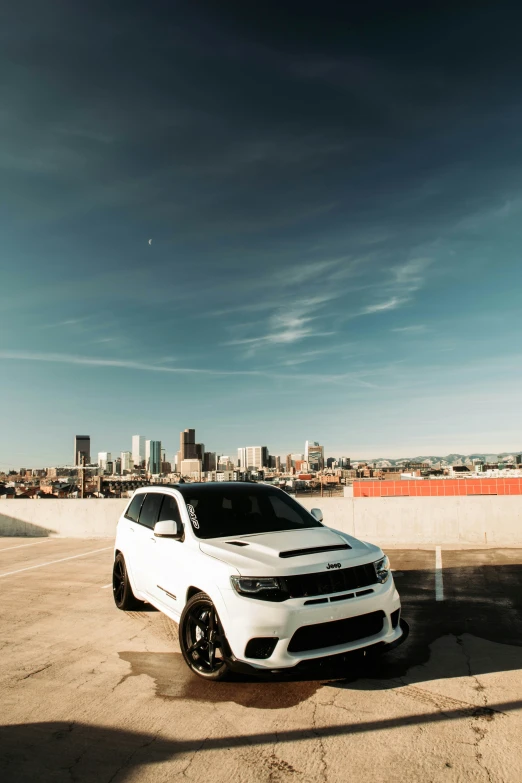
[
  {"x": 153, "y": 539},
  {"x": 131, "y": 529}
]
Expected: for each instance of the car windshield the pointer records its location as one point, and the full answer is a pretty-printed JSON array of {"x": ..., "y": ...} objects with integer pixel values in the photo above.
[{"x": 219, "y": 510}]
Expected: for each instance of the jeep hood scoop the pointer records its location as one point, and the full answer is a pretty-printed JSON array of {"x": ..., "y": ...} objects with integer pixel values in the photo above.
[
  {"x": 288, "y": 551},
  {"x": 313, "y": 550}
]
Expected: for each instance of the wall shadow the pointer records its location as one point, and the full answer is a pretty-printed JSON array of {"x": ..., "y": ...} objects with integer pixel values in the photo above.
[
  {"x": 14, "y": 527},
  {"x": 55, "y": 752}
]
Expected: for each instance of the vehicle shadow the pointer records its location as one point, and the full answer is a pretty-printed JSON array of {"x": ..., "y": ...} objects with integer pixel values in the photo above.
[{"x": 476, "y": 631}]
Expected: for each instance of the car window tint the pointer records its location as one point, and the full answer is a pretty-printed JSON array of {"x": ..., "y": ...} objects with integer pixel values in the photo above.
[
  {"x": 169, "y": 509},
  {"x": 283, "y": 511},
  {"x": 133, "y": 511},
  {"x": 150, "y": 509},
  {"x": 243, "y": 510}
]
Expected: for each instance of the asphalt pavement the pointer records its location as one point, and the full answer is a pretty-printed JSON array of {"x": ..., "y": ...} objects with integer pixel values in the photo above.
[{"x": 88, "y": 693}]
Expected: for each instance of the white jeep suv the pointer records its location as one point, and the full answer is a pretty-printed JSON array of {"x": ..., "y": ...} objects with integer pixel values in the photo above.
[{"x": 254, "y": 580}]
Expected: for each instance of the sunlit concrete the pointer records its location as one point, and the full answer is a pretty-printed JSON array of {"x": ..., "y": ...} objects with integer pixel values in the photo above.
[{"x": 92, "y": 694}]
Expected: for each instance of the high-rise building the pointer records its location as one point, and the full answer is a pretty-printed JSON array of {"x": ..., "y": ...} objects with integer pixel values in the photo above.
[
  {"x": 314, "y": 455},
  {"x": 241, "y": 459},
  {"x": 187, "y": 444},
  {"x": 191, "y": 467},
  {"x": 288, "y": 463},
  {"x": 256, "y": 457},
  {"x": 82, "y": 449},
  {"x": 278, "y": 464},
  {"x": 209, "y": 461},
  {"x": 103, "y": 458},
  {"x": 225, "y": 463},
  {"x": 126, "y": 462},
  {"x": 138, "y": 450},
  {"x": 153, "y": 456}
]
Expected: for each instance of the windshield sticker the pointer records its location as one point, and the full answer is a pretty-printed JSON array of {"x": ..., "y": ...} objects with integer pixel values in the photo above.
[{"x": 192, "y": 515}]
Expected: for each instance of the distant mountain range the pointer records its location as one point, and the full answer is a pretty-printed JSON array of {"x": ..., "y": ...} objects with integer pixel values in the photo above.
[{"x": 449, "y": 459}]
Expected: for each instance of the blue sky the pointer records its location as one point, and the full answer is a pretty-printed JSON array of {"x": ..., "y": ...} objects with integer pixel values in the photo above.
[{"x": 334, "y": 198}]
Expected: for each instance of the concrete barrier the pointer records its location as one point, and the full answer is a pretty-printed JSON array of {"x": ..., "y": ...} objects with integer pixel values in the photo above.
[
  {"x": 477, "y": 521},
  {"x": 65, "y": 518}
]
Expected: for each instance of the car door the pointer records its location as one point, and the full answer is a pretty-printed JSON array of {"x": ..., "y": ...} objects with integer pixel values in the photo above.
[
  {"x": 146, "y": 542},
  {"x": 126, "y": 536},
  {"x": 168, "y": 562}
]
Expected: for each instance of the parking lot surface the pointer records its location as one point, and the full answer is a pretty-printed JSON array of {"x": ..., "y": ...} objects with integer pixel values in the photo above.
[{"x": 88, "y": 693}]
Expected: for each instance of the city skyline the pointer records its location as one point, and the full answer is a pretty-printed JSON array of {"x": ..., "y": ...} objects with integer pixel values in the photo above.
[
  {"x": 141, "y": 444},
  {"x": 335, "y": 216}
]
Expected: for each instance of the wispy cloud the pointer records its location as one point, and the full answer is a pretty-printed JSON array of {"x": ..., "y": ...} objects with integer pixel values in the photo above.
[
  {"x": 308, "y": 356},
  {"x": 289, "y": 335},
  {"x": 410, "y": 276},
  {"x": 66, "y": 322},
  {"x": 389, "y": 304},
  {"x": 404, "y": 280},
  {"x": 289, "y": 325},
  {"x": 303, "y": 273},
  {"x": 253, "y": 307},
  {"x": 410, "y": 329},
  {"x": 295, "y": 277},
  {"x": 91, "y": 361}
]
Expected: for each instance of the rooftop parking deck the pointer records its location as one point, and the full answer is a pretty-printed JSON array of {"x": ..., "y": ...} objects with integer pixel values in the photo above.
[{"x": 92, "y": 694}]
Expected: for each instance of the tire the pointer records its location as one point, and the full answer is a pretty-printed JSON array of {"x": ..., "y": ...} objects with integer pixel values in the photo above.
[
  {"x": 122, "y": 593},
  {"x": 201, "y": 639}
]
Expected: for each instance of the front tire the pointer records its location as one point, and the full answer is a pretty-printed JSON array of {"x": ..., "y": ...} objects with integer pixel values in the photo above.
[
  {"x": 201, "y": 639},
  {"x": 124, "y": 598}
]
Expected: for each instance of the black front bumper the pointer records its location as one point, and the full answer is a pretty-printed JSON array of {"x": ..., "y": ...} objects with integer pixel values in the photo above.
[{"x": 323, "y": 662}]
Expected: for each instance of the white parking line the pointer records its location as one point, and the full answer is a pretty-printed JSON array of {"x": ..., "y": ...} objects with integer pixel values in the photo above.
[
  {"x": 439, "y": 586},
  {"x": 52, "y": 562},
  {"x": 104, "y": 587},
  {"x": 19, "y": 546}
]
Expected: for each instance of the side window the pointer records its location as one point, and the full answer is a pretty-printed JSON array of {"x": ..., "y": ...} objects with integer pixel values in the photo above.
[
  {"x": 169, "y": 509},
  {"x": 133, "y": 511},
  {"x": 150, "y": 509}
]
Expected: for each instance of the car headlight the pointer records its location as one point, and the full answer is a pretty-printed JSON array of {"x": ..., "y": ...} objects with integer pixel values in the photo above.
[
  {"x": 382, "y": 569},
  {"x": 267, "y": 588}
]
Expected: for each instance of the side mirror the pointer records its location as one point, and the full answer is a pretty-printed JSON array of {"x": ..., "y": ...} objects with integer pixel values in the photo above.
[
  {"x": 169, "y": 528},
  {"x": 317, "y": 514}
]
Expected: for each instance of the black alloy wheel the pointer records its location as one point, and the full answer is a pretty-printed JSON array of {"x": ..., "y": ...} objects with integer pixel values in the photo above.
[
  {"x": 124, "y": 598},
  {"x": 201, "y": 638}
]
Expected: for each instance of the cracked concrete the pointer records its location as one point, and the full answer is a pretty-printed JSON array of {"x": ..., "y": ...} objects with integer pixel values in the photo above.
[{"x": 93, "y": 695}]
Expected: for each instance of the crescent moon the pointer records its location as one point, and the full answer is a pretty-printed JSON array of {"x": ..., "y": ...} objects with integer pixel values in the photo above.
[{"x": 150, "y": 241}]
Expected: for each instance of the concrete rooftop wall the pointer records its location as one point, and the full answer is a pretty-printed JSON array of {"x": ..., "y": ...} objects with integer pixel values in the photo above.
[
  {"x": 478, "y": 520},
  {"x": 68, "y": 518}
]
